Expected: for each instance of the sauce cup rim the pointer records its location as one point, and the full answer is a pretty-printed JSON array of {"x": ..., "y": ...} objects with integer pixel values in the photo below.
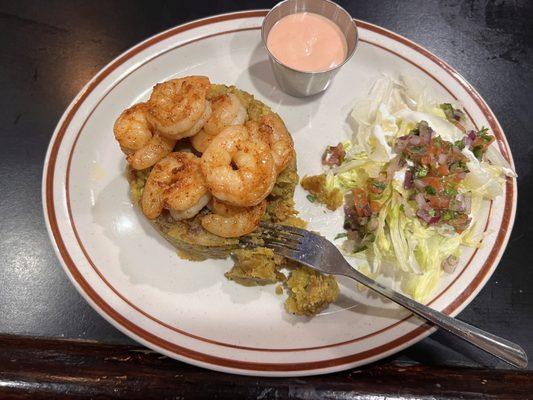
[{"x": 346, "y": 59}]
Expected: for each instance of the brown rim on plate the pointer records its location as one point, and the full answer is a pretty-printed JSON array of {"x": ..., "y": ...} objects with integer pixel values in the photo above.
[
  {"x": 165, "y": 325},
  {"x": 180, "y": 351}
]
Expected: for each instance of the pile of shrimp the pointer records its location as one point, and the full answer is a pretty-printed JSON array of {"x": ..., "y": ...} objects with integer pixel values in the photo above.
[{"x": 233, "y": 169}]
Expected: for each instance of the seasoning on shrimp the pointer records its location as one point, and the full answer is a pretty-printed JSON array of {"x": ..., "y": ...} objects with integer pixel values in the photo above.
[
  {"x": 238, "y": 167},
  {"x": 232, "y": 221},
  {"x": 227, "y": 110},
  {"x": 178, "y": 108},
  {"x": 175, "y": 183},
  {"x": 138, "y": 140},
  {"x": 274, "y": 132}
]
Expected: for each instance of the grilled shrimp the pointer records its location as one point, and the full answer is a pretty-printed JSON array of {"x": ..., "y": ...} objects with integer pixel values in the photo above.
[
  {"x": 177, "y": 184},
  {"x": 238, "y": 167},
  {"x": 201, "y": 141},
  {"x": 275, "y": 133},
  {"x": 178, "y": 108},
  {"x": 143, "y": 147},
  {"x": 231, "y": 221},
  {"x": 227, "y": 111}
]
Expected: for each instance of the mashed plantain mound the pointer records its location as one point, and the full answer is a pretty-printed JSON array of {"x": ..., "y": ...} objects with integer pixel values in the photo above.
[
  {"x": 259, "y": 266},
  {"x": 308, "y": 291}
]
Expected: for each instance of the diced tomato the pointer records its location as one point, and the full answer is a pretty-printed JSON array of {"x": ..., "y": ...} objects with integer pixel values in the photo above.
[
  {"x": 359, "y": 196},
  {"x": 436, "y": 149},
  {"x": 425, "y": 160},
  {"x": 439, "y": 202},
  {"x": 375, "y": 206},
  {"x": 456, "y": 178},
  {"x": 360, "y": 200},
  {"x": 443, "y": 170},
  {"x": 433, "y": 181}
]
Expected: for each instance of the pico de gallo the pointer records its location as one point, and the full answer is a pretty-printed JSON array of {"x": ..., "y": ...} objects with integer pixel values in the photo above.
[{"x": 413, "y": 180}]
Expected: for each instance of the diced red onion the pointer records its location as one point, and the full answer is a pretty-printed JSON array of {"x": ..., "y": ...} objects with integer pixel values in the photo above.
[
  {"x": 425, "y": 134},
  {"x": 423, "y": 214},
  {"x": 442, "y": 158},
  {"x": 419, "y": 184},
  {"x": 426, "y": 216},
  {"x": 421, "y": 201},
  {"x": 408, "y": 180},
  {"x": 456, "y": 205},
  {"x": 401, "y": 144},
  {"x": 469, "y": 138},
  {"x": 414, "y": 140},
  {"x": 449, "y": 264},
  {"x": 434, "y": 219},
  {"x": 467, "y": 204}
]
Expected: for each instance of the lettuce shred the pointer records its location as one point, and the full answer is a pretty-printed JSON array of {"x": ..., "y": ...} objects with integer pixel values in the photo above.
[{"x": 414, "y": 252}]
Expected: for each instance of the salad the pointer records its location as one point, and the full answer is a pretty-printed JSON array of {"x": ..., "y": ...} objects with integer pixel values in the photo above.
[{"x": 414, "y": 180}]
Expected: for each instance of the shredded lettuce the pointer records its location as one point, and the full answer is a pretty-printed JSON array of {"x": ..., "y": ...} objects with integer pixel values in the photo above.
[{"x": 414, "y": 251}]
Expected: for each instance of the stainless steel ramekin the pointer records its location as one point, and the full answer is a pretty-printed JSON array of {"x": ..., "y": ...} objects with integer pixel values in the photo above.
[{"x": 300, "y": 83}]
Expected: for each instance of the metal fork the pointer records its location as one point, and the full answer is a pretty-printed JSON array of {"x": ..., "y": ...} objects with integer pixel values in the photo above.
[{"x": 321, "y": 255}]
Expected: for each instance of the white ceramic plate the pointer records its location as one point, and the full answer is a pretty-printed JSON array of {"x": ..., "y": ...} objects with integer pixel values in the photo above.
[{"x": 188, "y": 310}]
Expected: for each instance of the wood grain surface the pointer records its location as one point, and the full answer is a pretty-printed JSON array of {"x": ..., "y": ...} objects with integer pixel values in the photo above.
[{"x": 32, "y": 368}]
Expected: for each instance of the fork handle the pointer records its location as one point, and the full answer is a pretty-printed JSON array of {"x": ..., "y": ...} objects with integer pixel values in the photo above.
[{"x": 499, "y": 347}]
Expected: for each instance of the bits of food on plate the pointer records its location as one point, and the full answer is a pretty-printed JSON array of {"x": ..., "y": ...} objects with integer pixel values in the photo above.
[
  {"x": 316, "y": 185},
  {"x": 206, "y": 163},
  {"x": 414, "y": 179}
]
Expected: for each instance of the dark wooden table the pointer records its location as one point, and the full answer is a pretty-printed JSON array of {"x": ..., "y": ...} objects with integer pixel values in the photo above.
[{"x": 53, "y": 345}]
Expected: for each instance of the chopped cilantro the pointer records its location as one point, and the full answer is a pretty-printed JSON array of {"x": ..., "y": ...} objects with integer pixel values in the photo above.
[
  {"x": 432, "y": 212},
  {"x": 379, "y": 185},
  {"x": 478, "y": 152},
  {"x": 362, "y": 248},
  {"x": 340, "y": 235},
  {"x": 450, "y": 191},
  {"x": 484, "y": 134},
  {"x": 458, "y": 165},
  {"x": 447, "y": 215},
  {"x": 421, "y": 171},
  {"x": 452, "y": 114},
  {"x": 460, "y": 144},
  {"x": 430, "y": 190}
]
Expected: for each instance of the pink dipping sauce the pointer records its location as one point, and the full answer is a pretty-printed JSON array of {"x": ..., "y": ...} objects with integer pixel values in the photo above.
[{"x": 307, "y": 42}]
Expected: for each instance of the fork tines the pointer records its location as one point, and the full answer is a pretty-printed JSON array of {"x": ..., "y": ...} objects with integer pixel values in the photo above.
[{"x": 283, "y": 239}]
